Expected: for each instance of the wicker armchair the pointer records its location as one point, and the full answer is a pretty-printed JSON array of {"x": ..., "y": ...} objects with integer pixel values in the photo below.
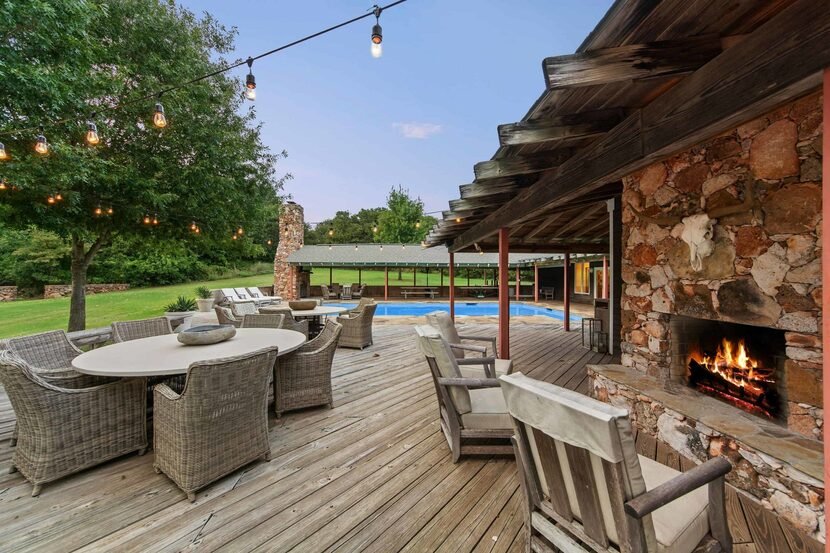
[
  {"x": 361, "y": 304},
  {"x": 289, "y": 322},
  {"x": 241, "y": 308},
  {"x": 357, "y": 327},
  {"x": 226, "y": 317},
  {"x": 62, "y": 431},
  {"x": 303, "y": 377},
  {"x": 144, "y": 328},
  {"x": 50, "y": 355},
  {"x": 218, "y": 424},
  {"x": 263, "y": 320}
]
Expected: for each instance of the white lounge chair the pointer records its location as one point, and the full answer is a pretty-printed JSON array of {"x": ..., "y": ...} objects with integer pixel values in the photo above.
[{"x": 257, "y": 295}]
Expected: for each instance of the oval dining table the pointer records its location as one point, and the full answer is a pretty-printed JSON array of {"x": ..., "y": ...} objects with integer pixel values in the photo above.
[{"x": 165, "y": 355}]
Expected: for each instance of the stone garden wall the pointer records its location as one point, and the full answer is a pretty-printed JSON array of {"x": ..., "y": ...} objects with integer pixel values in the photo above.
[
  {"x": 8, "y": 293},
  {"x": 65, "y": 290},
  {"x": 766, "y": 266}
]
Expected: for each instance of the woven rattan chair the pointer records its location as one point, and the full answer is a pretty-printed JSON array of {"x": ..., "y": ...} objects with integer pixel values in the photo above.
[
  {"x": 50, "y": 356},
  {"x": 241, "y": 308},
  {"x": 263, "y": 320},
  {"x": 442, "y": 321},
  {"x": 357, "y": 327},
  {"x": 289, "y": 322},
  {"x": 218, "y": 424},
  {"x": 303, "y": 378},
  {"x": 226, "y": 317},
  {"x": 361, "y": 304},
  {"x": 472, "y": 412},
  {"x": 144, "y": 328},
  {"x": 359, "y": 292},
  {"x": 62, "y": 431},
  {"x": 584, "y": 482}
]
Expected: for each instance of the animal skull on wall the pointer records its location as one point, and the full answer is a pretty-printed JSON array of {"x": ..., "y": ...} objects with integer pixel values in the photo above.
[{"x": 699, "y": 229}]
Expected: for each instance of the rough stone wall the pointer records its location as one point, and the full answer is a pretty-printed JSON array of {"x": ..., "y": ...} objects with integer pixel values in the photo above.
[
  {"x": 286, "y": 277},
  {"x": 766, "y": 266},
  {"x": 64, "y": 290},
  {"x": 795, "y": 496},
  {"x": 8, "y": 293}
]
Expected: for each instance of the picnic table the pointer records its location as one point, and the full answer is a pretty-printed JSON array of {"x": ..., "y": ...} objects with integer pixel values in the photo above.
[{"x": 425, "y": 291}]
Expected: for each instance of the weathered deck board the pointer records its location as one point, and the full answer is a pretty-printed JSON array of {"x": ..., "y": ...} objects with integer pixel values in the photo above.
[{"x": 372, "y": 474}]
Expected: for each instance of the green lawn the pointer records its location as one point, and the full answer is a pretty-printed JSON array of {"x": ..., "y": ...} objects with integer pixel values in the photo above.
[
  {"x": 375, "y": 277},
  {"x": 31, "y": 316}
]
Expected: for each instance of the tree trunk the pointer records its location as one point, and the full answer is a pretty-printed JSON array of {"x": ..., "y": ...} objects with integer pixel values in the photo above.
[{"x": 81, "y": 259}]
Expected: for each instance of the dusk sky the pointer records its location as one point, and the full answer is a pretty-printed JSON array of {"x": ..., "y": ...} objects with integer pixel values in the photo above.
[{"x": 421, "y": 115}]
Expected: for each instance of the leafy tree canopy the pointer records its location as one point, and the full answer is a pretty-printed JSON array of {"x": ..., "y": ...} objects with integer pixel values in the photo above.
[{"x": 69, "y": 59}]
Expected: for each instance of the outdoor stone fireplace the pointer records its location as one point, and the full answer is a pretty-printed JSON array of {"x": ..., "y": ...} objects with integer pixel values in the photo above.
[{"x": 696, "y": 288}]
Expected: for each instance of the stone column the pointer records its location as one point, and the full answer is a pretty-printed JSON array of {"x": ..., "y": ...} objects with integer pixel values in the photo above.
[{"x": 287, "y": 277}]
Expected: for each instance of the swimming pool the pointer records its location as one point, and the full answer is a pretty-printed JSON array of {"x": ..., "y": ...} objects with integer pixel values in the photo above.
[{"x": 462, "y": 308}]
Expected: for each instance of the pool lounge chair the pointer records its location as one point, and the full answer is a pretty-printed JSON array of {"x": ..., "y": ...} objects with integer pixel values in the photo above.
[
  {"x": 248, "y": 296},
  {"x": 257, "y": 295}
]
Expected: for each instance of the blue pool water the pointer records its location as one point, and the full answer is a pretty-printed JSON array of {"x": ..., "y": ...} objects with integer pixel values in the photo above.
[{"x": 415, "y": 309}]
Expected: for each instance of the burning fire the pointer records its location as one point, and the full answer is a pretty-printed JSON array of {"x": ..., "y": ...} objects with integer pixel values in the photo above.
[{"x": 733, "y": 363}]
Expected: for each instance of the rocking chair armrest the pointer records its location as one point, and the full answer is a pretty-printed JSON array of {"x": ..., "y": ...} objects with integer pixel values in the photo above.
[
  {"x": 470, "y": 382},
  {"x": 477, "y": 349},
  {"x": 708, "y": 473}
]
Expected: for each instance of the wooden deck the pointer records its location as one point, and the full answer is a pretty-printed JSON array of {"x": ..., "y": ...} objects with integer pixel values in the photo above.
[{"x": 372, "y": 474}]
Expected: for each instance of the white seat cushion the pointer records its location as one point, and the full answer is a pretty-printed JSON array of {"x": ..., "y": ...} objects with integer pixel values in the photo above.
[
  {"x": 680, "y": 525},
  {"x": 477, "y": 371},
  {"x": 487, "y": 410}
]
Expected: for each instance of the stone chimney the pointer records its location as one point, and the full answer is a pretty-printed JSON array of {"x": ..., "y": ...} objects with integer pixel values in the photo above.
[{"x": 287, "y": 277}]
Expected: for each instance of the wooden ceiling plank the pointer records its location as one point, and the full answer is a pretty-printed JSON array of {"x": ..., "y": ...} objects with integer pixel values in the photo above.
[
  {"x": 520, "y": 165},
  {"x": 781, "y": 60},
  {"x": 631, "y": 62},
  {"x": 567, "y": 127}
]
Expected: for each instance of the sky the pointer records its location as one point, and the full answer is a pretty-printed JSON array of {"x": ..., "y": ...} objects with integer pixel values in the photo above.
[{"x": 420, "y": 116}]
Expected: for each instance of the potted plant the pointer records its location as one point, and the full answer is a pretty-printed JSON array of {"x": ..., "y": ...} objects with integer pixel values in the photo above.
[
  {"x": 180, "y": 310},
  {"x": 204, "y": 299}
]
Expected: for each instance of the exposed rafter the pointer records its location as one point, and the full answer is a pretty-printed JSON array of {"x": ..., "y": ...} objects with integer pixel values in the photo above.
[
  {"x": 568, "y": 127},
  {"x": 630, "y": 62},
  {"x": 521, "y": 165}
]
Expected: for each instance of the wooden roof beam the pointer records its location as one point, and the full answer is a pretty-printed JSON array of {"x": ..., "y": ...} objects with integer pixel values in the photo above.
[
  {"x": 779, "y": 61},
  {"x": 521, "y": 165},
  {"x": 631, "y": 62},
  {"x": 567, "y": 127},
  {"x": 545, "y": 224}
]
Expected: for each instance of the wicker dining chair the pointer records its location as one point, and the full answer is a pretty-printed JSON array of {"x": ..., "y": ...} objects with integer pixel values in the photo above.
[
  {"x": 289, "y": 322},
  {"x": 218, "y": 424},
  {"x": 62, "y": 431},
  {"x": 241, "y": 308},
  {"x": 124, "y": 331},
  {"x": 50, "y": 355},
  {"x": 303, "y": 378},
  {"x": 357, "y": 327},
  {"x": 361, "y": 304},
  {"x": 226, "y": 317},
  {"x": 263, "y": 320}
]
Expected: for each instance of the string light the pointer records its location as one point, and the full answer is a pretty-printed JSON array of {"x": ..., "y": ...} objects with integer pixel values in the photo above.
[
  {"x": 418, "y": 223},
  {"x": 250, "y": 82},
  {"x": 331, "y": 231},
  {"x": 50, "y": 200},
  {"x": 198, "y": 230},
  {"x": 155, "y": 219},
  {"x": 458, "y": 219},
  {"x": 239, "y": 231},
  {"x": 3, "y": 185},
  {"x": 3, "y": 155},
  {"x": 377, "y": 34},
  {"x": 98, "y": 210},
  {"x": 159, "y": 119},
  {"x": 59, "y": 197},
  {"x": 41, "y": 146},
  {"x": 146, "y": 219},
  {"x": 109, "y": 210},
  {"x": 92, "y": 137},
  {"x": 193, "y": 226},
  {"x": 269, "y": 242},
  {"x": 375, "y": 228},
  {"x": 234, "y": 237}
]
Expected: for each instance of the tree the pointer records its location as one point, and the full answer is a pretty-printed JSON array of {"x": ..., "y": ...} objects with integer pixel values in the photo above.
[
  {"x": 347, "y": 228},
  {"x": 62, "y": 61},
  {"x": 403, "y": 221}
]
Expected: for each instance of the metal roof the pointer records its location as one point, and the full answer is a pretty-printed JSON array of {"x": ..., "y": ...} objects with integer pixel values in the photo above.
[{"x": 409, "y": 255}]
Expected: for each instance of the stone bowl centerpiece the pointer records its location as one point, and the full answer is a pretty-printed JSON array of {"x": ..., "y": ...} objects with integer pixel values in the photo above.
[
  {"x": 302, "y": 305},
  {"x": 204, "y": 335}
]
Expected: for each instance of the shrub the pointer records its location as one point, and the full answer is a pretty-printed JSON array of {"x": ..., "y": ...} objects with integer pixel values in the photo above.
[
  {"x": 203, "y": 293},
  {"x": 182, "y": 303}
]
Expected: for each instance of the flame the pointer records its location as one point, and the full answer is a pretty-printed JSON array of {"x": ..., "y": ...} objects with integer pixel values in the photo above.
[{"x": 734, "y": 364}]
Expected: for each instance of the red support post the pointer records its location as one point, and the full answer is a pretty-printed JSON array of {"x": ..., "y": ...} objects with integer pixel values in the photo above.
[
  {"x": 825, "y": 269},
  {"x": 518, "y": 283},
  {"x": 604, "y": 277},
  {"x": 330, "y": 277},
  {"x": 566, "y": 291},
  {"x": 536, "y": 283},
  {"x": 504, "y": 295},
  {"x": 386, "y": 284},
  {"x": 452, "y": 286}
]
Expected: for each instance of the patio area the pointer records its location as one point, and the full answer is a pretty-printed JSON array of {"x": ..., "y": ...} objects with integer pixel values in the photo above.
[{"x": 372, "y": 474}]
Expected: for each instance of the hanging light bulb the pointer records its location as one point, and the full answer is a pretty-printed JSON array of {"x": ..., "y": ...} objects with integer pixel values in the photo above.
[
  {"x": 375, "y": 228},
  {"x": 234, "y": 237},
  {"x": 250, "y": 83},
  {"x": 3, "y": 185},
  {"x": 3, "y": 155},
  {"x": 146, "y": 219},
  {"x": 418, "y": 223},
  {"x": 41, "y": 146},
  {"x": 98, "y": 210},
  {"x": 159, "y": 120},
  {"x": 92, "y": 137},
  {"x": 155, "y": 219},
  {"x": 458, "y": 219},
  {"x": 50, "y": 200},
  {"x": 239, "y": 231},
  {"x": 110, "y": 211},
  {"x": 269, "y": 242},
  {"x": 355, "y": 247},
  {"x": 331, "y": 231},
  {"x": 59, "y": 197},
  {"x": 377, "y": 35},
  {"x": 193, "y": 226},
  {"x": 198, "y": 230}
]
